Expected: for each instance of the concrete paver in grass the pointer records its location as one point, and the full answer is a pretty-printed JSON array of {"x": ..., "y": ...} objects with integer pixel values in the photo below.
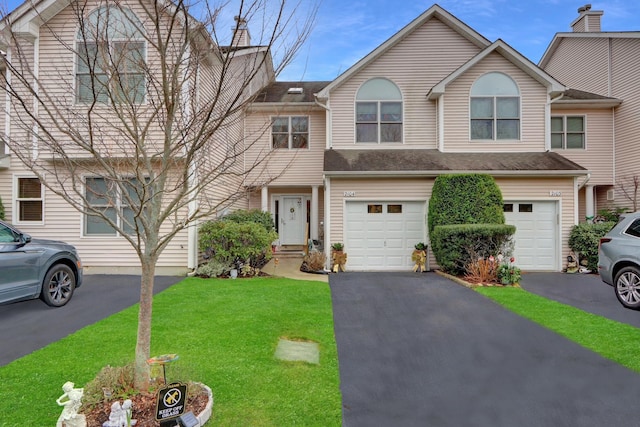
[{"x": 298, "y": 351}]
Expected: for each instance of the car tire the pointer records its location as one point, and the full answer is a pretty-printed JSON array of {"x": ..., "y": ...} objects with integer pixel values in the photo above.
[
  {"x": 627, "y": 287},
  {"x": 58, "y": 285}
]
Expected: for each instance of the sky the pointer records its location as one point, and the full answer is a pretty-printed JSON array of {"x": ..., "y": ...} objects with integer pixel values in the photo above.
[{"x": 347, "y": 30}]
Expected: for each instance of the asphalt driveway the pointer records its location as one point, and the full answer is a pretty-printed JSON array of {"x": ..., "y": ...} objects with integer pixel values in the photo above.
[
  {"x": 29, "y": 325},
  {"x": 584, "y": 291},
  {"x": 420, "y": 350}
]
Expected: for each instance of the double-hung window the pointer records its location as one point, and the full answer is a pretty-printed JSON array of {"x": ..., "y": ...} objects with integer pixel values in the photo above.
[
  {"x": 119, "y": 204},
  {"x": 495, "y": 108},
  {"x": 290, "y": 132},
  {"x": 379, "y": 112},
  {"x": 110, "y": 61},
  {"x": 567, "y": 132},
  {"x": 29, "y": 200}
]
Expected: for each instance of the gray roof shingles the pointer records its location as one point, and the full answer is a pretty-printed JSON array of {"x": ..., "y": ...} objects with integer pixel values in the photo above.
[
  {"x": 279, "y": 92},
  {"x": 434, "y": 161}
]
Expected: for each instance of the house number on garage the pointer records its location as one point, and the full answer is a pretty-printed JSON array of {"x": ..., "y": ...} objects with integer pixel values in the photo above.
[
  {"x": 349, "y": 194},
  {"x": 555, "y": 193}
]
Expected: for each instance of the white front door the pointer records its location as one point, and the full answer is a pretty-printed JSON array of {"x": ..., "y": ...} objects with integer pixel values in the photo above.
[{"x": 292, "y": 220}]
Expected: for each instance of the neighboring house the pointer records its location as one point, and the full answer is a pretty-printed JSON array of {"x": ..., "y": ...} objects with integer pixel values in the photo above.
[
  {"x": 354, "y": 160},
  {"x": 46, "y": 40},
  {"x": 607, "y": 64}
]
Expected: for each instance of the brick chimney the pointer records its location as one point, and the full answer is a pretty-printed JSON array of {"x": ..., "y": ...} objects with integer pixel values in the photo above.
[
  {"x": 241, "y": 37},
  {"x": 588, "y": 21}
]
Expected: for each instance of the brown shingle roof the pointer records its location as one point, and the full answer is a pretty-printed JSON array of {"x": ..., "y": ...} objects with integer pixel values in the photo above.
[
  {"x": 579, "y": 94},
  {"x": 278, "y": 92},
  {"x": 417, "y": 161}
]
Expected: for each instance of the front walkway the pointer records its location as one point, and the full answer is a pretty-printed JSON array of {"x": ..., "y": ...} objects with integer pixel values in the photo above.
[{"x": 419, "y": 350}]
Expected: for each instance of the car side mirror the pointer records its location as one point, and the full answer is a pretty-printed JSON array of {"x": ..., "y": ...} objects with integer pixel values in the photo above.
[{"x": 26, "y": 238}]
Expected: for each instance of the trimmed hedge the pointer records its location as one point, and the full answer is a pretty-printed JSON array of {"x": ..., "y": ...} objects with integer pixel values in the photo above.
[
  {"x": 465, "y": 199},
  {"x": 1, "y": 209},
  {"x": 584, "y": 240},
  {"x": 454, "y": 246},
  {"x": 253, "y": 215},
  {"x": 234, "y": 243}
]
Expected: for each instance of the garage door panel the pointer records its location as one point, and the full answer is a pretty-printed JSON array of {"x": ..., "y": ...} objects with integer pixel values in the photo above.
[
  {"x": 382, "y": 241},
  {"x": 536, "y": 234}
]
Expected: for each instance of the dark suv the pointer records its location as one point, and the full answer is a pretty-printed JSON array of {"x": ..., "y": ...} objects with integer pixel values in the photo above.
[
  {"x": 32, "y": 268},
  {"x": 619, "y": 259}
]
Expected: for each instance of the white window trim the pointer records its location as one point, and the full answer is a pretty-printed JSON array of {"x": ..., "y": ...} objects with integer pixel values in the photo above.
[
  {"x": 290, "y": 133},
  {"x": 111, "y": 41},
  {"x": 379, "y": 122},
  {"x": 495, "y": 119},
  {"x": 15, "y": 212},
  {"x": 118, "y": 206},
  {"x": 564, "y": 132}
]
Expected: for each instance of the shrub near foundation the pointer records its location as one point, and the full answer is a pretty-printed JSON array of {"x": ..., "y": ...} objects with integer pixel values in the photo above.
[
  {"x": 455, "y": 245},
  {"x": 233, "y": 243},
  {"x": 584, "y": 240}
]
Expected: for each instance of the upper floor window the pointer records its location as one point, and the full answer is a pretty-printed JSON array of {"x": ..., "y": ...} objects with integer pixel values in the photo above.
[
  {"x": 290, "y": 132},
  {"x": 495, "y": 108},
  {"x": 567, "y": 132},
  {"x": 379, "y": 112},
  {"x": 111, "y": 52},
  {"x": 28, "y": 200}
]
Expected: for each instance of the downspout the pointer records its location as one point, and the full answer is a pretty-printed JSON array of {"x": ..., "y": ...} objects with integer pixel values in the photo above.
[
  {"x": 547, "y": 121},
  {"x": 329, "y": 141}
]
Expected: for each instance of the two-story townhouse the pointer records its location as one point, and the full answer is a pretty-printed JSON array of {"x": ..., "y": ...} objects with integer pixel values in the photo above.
[
  {"x": 605, "y": 63},
  {"x": 48, "y": 41},
  {"x": 439, "y": 98}
]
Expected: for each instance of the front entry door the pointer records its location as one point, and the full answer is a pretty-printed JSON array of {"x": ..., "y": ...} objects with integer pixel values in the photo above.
[{"x": 292, "y": 220}]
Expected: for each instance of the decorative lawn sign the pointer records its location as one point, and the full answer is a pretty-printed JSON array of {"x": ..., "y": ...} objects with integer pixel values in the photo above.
[{"x": 171, "y": 403}]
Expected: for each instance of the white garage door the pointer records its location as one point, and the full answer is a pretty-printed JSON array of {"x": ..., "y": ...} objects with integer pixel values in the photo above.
[
  {"x": 536, "y": 234},
  {"x": 381, "y": 235}
]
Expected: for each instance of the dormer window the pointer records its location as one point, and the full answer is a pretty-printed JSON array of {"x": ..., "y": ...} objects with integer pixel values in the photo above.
[
  {"x": 379, "y": 112},
  {"x": 110, "y": 61},
  {"x": 495, "y": 108}
]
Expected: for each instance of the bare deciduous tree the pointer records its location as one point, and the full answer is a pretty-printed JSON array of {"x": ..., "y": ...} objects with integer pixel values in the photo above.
[
  {"x": 628, "y": 186},
  {"x": 143, "y": 135}
]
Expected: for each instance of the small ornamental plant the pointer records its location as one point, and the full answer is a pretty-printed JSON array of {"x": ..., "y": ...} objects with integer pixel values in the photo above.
[
  {"x": 508, "y": 273},
  {"x": 420, "y": 246},
  {"x": 337, "y": 246}
]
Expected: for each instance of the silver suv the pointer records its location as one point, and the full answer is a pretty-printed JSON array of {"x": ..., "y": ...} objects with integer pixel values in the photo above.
[
  {"x": 619, "y": 259},
  {"x": 32, "y": 268}
]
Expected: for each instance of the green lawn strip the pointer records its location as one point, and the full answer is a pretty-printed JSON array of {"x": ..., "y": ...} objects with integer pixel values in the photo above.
[
  {"x": 614, "y": 340},
  {"x": 225, "y": 333}
]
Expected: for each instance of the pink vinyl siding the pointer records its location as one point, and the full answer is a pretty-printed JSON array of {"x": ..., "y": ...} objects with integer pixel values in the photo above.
[
  {"x": 597, "y": 156},
  {"x": 533, "y": 97},
  {"x": 415, "y": 65},
  {"x": 582, "y": 63},
  {"x": 285, "y": 167}
]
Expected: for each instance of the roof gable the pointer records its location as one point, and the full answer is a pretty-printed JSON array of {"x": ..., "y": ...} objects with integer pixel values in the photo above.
[
  {"x": 560, "y": 37},
  {"x": 434, "y": 11},
  {"x": 553, "y": 86}
]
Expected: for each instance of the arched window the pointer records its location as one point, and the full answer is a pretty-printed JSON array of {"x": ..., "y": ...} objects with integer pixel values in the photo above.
[
  {"x": 495, "y": 108},
  {"x": 379, "y": 112},
  {"x": 111, "y": 52}
]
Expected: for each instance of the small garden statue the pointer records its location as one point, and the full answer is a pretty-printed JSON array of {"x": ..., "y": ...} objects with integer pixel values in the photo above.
[
  {"x": 419, "y": 257},
  {"x": 71, "y": 400},
  {"x": 120, "y": 415}
]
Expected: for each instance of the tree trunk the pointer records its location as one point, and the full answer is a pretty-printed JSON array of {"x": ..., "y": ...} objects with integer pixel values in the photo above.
[{"x": 143, "y": 343}]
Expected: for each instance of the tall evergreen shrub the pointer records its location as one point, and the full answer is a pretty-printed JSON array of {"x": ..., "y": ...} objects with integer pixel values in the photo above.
[{"x": 465, "y": 199}]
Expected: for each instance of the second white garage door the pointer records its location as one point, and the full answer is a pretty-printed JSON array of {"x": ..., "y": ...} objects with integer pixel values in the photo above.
[
  {"x": 536, "y": 237},
  {"x": 381, "y": 235}
]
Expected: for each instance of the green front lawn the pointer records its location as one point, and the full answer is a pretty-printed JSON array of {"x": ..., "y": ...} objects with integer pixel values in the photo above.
[
  {"x": 614, "y": 340},
  {"x": 225, "y": 333}
]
